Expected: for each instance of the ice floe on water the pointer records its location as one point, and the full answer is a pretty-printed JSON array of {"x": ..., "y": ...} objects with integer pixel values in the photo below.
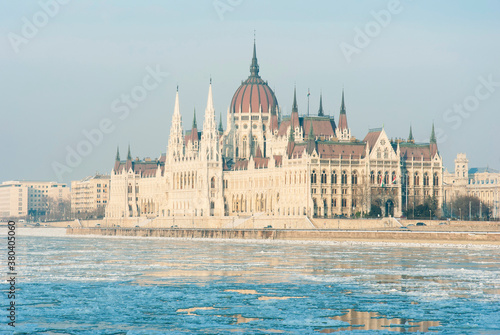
[{"x": 96, "y": 285}]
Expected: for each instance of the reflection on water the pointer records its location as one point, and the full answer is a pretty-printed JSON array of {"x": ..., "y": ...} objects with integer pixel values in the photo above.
[
  {"x": 374, "y": 321},
  {"x": 98, "y": 285},
  {"x": 190, "y": 311}
]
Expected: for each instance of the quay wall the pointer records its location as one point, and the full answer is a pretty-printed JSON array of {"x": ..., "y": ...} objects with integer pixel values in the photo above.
[{"x": 279, "y": 234}]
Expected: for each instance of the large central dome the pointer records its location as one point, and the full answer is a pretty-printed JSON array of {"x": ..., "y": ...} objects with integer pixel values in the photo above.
[{"x": 254, "y": 93}]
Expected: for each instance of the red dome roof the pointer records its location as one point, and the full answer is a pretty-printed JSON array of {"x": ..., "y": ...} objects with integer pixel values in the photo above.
[{"x": 254, "y": 93}]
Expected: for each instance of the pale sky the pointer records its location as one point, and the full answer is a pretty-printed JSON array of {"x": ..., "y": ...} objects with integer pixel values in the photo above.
[{"x": 64, "y": 74}]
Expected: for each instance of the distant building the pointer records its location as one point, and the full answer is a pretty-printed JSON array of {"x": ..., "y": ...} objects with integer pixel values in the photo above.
[
  {"x": 30, "y": 198},
  {"x": 279, "y": 166},
  {"x": 483, "y": 183},
  {"x": 90, "y": 195}
]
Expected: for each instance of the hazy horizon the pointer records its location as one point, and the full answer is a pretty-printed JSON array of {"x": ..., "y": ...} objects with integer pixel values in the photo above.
[{"x": 426, "y": 62}]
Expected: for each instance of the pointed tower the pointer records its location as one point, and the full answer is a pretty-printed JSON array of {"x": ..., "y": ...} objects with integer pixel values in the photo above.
[
  {"x": 343, "y": 132},
  {"x": 433, "y": 142},
  {"x": 210, "y": 172},
  {"x": 117, "y": 159},
  {"x": 221, "y": 127},
  {"x": 320, "y": 111},
  {"x": 192, "y": 140},
  {"x": 175, "y": 148},
  {"x": 210, "y": 137},
  {"x": 410, "y": 137},
  {"x": 294, "y": 117},
  {"x": 291, "y": 138},
  {"x": 254, "y": 66},
  {"x": 128, "y": 164},
  {"x": 195, "y": 125}
]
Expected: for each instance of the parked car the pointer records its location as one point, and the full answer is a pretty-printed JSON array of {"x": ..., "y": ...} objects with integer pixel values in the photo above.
[
  {"x": 421, "y": 224},
  {"x": 174, "y": 226},
  {"x": 268, "y": 227},
  {"x": 403, "y": 227},
  {"x": 443, "y": 223}
]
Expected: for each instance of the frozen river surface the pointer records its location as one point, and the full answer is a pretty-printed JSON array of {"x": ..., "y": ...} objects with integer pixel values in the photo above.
[{"x": 87, "y": 285}]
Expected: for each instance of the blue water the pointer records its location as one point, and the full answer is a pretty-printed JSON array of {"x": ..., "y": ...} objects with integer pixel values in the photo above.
[{"x": 87, "y": 285}]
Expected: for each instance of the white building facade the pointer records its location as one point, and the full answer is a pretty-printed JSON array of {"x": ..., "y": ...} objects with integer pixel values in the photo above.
[{"x": 278, "y": 165}]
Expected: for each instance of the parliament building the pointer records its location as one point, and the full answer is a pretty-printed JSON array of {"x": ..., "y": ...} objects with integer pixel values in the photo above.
[{"x": 276, "y": 163}]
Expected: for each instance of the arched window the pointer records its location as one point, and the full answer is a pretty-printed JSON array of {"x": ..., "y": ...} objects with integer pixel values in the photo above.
[
  {"x": 379, "y": 153},
  {"x": 379, "y": 177},
  {"x": 354, "y": 178},
  {"x": 323, "y": 177},
  {"x": 386, "y": 153},
  {"x": 344, "y": 177},
  {"x": 393, "y": 177},
  {"x": 372, "y": 177},
  {"x": 386, "y": 178},
  {"x": 334, "y": 177},
  {"x": 313, "y": 177},
  {"x": 426, "y": 179},
  {"x": 436, "y": 179},
  {"x": 212, "y": 182},
  {"x": 416, "y": 179},
  {"x": 244, "y": 147}
]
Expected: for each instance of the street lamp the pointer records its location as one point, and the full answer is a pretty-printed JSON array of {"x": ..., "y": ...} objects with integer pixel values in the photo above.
[
  {"x": 460, "y": 209},
  {"x": 430, "y": 215}
]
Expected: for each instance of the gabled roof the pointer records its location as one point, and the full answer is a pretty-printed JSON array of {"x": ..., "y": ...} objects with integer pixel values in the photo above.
[{"x": 372, "y": 137}]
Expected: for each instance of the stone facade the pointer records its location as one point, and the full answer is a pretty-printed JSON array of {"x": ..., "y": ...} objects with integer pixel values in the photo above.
[
  {"x": 483, "y": 183},
  {"x": 90, "y": 195},
  {"x": 264, "y": 163}
]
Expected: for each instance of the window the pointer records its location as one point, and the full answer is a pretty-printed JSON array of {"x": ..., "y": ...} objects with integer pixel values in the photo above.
[
  {"x": 244, "y": 148},
  {"x": 323, "y": 177},
  {"x": 354, "y": 178},
  {"x": 344, "y": 177},
  {"x": 212, "y": 182},
  {"x": 416, "y": 179},
  {"x": 313, "y": 177},
  {"x": 372, "y": 177},
  {"x": 436, "y": 179},
  {"x": 426, "y": 179},
  {"x": 334, "y": 177},
  {"x": 386, "y": 178}
]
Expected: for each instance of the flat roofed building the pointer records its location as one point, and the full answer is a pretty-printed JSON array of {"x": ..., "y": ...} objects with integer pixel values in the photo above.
[
  {"x": 90, "y": 195},
  {"x": 23, "y": 198}
]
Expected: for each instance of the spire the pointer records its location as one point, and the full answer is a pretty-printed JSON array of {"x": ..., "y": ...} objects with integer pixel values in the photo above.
[
  {"x": 320, "y": 112},
  {"x": 210, "y": 100},
  {"x": 175, "y": 147},
  {"x": 176, "y": 106},
  {"x": 221, "y": 128},
  {"x": 194, "y": 120},
  {"x": 342, "y": 106},
  {"x": 117, "y": 154},
  {"x": 254, "y": 67},
  {"x": 294, "y": 106},
  {"x": 129, "y": 156},
  {"x": 433, "y": 135},
  {"x": 410, "y": 137},
  {"x": 343, "y": 116}
]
